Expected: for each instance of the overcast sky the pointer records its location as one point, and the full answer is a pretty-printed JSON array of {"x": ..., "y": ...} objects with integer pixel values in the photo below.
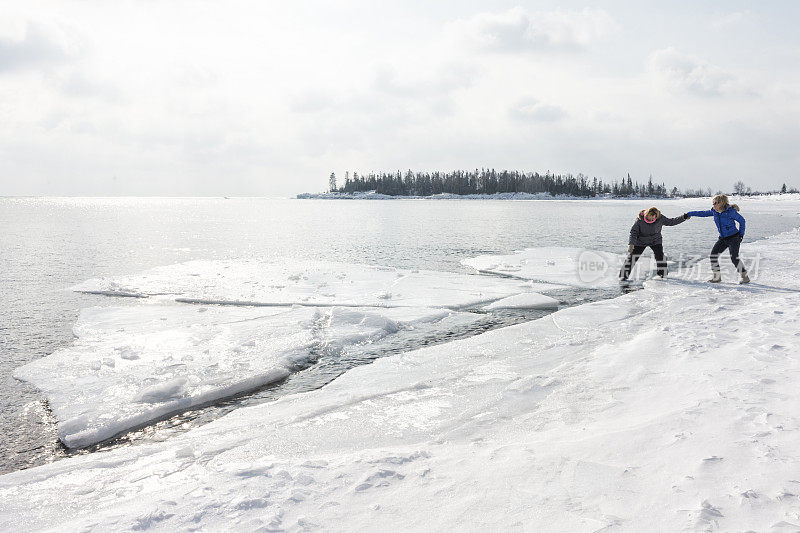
[{"x": 267, "y": 98}]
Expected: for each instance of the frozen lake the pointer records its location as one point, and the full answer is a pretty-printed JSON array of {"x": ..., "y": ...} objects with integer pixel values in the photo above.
[{"x": 49, "y": 245}]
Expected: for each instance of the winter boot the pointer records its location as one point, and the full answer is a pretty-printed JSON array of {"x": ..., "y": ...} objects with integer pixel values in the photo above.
[
  {"x": 716, "y": 277},
  {"x": 745, "y": 278}
]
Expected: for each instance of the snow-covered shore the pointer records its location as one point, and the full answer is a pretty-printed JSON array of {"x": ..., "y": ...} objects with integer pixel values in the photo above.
[{"x": 671, "y": 408}]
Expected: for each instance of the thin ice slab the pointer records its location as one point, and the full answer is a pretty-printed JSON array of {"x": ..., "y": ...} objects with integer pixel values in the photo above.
[
  {"x": 133, "y": 365},
  {"x": 311, "y": 283},
  {"x": 524, "y": 301},
  {"x": 577, "y": 267}
]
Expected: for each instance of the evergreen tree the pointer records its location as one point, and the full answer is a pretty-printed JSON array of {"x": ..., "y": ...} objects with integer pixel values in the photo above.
[{"x": 491, "y": 181}]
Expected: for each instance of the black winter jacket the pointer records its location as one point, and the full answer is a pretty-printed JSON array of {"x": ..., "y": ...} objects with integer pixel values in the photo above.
[{"x": 645, "y": 234}]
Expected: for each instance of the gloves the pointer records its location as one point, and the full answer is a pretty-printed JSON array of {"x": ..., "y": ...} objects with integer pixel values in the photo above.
[
  {"x": 686, "y": 216},
  {"x": 630, "y": 248},
  {"x": 741, "y": 236}
]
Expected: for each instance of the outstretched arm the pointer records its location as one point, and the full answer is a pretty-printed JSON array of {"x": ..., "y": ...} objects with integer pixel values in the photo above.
[
  {"x": 674, "y": 221},
  {"x": 739, "y": 218},
  {"x": 709, "y": 213}
]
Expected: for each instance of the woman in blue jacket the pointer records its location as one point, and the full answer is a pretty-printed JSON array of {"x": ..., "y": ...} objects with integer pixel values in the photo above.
[{"x": 725, "y": 217}]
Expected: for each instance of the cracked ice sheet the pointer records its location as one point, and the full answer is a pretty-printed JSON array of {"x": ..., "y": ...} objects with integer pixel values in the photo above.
[
  {"x": 577, "y": 267},
  {"x": 312, "y": 283},
  {"x": 133, "y": 365}
]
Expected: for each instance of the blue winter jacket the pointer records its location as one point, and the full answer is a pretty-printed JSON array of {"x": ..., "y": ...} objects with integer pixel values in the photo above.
[{"x": 725, "y": 221}]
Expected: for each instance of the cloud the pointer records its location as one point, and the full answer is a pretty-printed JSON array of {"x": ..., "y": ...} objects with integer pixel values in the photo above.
[
  {"x": 728, "y": 20},
  {"x": 86, "y": 95},
  {"x": 311, "y": 102},
  {"x": 519, "y": 31},
  {"x": 444, "y": 79},
  {"x": 78, "y": 85},
  {"x": 531, "y": 110},
  {"x": 686, "y": 73},
  {"x": 394, "y": 96},
  {"x": 37, "y": 48}
]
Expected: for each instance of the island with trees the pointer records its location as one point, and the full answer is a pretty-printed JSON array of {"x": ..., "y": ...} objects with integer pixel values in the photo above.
[{"x": 503, "y": 183}]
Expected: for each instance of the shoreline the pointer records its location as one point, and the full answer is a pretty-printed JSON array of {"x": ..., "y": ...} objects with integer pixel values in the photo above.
[{"x": 577, "y": 411}]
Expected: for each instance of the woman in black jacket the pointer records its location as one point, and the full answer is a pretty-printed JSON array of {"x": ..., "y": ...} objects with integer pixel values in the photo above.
[{"x": 646, "y": 232}]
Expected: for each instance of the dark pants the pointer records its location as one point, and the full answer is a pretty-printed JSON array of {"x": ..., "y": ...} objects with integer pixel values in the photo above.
[
  {"x": 731, "y": 243},
  {"x": 658, "y": 252}
]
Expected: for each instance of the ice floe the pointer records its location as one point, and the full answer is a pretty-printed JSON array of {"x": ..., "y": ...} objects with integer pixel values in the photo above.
[
  {"x": 524, "y": 301},
  {"x": 133, "y": 365},
  {"x": 310, "y": 283},
  {"x": 559, "y": 265}
]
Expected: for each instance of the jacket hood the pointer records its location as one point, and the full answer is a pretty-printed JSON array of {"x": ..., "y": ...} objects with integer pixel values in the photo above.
[{"x": 641, "y": 215}]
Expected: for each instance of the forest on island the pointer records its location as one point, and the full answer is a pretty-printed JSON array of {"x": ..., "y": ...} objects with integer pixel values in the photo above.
[{"x": 491, "y": 181}]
